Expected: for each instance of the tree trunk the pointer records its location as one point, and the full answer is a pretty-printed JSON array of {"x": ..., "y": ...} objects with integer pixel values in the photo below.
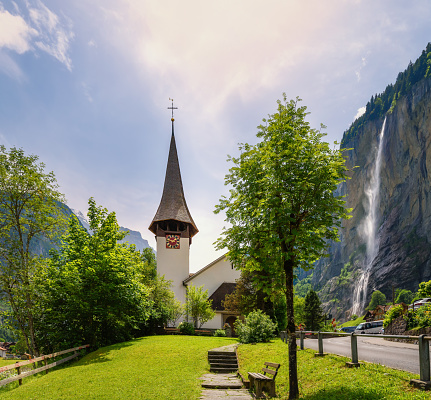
[{"x": 293, "y": 370}]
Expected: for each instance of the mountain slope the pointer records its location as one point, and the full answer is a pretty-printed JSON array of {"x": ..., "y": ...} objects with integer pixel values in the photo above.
[{"x": 403, "y": 209}]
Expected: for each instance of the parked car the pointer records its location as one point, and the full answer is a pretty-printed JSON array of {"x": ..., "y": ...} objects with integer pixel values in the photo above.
[
  {"x": 348, "y": 329},
  {"x": 418, "y": 303},
  {"x": 370, "y": 327}
]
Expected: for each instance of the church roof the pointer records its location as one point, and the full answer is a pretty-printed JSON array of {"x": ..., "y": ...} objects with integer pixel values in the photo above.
[
  {"x": 219, "y": 295},
  {"x": 173, "y": 204}
]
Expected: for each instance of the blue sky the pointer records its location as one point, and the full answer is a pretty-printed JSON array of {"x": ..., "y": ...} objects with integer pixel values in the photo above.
[{"x": 85, "y": 86}]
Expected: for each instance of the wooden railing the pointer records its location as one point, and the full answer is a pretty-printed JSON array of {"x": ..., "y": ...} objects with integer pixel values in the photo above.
[{"x": 42, "y": 359}]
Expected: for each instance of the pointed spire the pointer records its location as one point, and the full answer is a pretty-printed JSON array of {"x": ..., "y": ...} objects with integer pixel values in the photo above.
[{"x": 173, "y": 204}]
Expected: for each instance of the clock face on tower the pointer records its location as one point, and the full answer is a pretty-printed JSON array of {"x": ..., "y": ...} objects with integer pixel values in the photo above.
[{"x": 172, "y": 241}]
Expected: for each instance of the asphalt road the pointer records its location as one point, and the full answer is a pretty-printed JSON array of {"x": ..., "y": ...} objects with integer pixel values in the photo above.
[{"x": 396, "y": 355}]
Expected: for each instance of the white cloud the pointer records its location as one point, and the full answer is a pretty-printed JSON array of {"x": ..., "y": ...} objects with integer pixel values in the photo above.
[
  {"x": 54, "y": 37},
  {"x": 42, "y": 29},
  {"x": 15, "y": 33},
  {"x": 361, "y": 111}
]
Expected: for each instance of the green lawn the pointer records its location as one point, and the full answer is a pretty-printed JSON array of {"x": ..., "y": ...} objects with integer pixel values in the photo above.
[
  {"x": 3, "y": 363},
  {"x": 327, "y": 378},
  {"x": 154, "y": 367},
  {"x": 168, "y": 368}
]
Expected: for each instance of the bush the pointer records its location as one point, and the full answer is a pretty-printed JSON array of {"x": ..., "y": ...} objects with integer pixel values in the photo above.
[
  {"x": 392, "y": 314},
  {"x": 257, "y": 328},
  {"x": 186, "y": 328},
  {"x": 422, "y": 316},
  {"x": 220, "y": 333}
]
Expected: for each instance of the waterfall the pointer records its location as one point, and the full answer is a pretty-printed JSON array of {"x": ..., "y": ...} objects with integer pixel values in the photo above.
[{"x": 369, "y": 226}]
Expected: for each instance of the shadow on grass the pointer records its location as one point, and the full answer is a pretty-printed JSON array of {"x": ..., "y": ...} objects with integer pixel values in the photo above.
[
  {"x": 344, "y": 393},
  {"x": 103, "y": 354}
]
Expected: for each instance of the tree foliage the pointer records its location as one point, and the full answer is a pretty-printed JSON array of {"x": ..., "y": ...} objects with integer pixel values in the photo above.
[
  {"x": 257, "y": 328},
  {"x": 424, "y": 289},
  {"x": 314, "y": 318},
  {"x": 247, "y": 297},
  {"x": 197, "y": 306},
  {"x": 377, "y": 299},
  {"x": 29, "y": 210},
  {"x": 404, "y": 296},
  {"x": 282, "y": 209},
  {"x": 92, "y": 291}
]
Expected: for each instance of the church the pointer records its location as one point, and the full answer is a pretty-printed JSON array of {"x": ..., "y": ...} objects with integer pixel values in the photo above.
[{"x": 174, "y": 228}]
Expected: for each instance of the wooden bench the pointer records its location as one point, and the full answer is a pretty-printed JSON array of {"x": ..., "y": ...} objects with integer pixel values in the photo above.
[
  {"x": 172, "y": 331},
  {"x": 262, "y": 381}
]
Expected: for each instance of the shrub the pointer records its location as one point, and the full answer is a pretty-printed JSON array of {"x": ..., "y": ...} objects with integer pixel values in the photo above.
[
  {"x": 422, "y": 316},
  {"x": 257, "y": 328},
  {"x": 186, "y": 328},
  {"x": 392, "y": 314},
  {"x": 220, "y": 333}
]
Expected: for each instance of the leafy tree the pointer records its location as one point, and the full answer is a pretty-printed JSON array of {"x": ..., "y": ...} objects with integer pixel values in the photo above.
[
  {"x": 298, "y": 309},
  {"x": 377, "y": 299},
  {"x": 92, "y": 290},
  {"x": 29, "y": 210},
  {"x": 165, "y": 309},
  {"x": 314, "y": 317},
  {"x": 424, "y": 289},
  {"x": 247, "y": 297},
  {"x": 282, "y": 208},
  {"x": 197, "y": 306},
  {"x": 404, "y": 296}
]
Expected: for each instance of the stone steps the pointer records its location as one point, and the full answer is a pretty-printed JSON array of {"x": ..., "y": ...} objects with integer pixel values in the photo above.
[{"x": 222, "y": 361}]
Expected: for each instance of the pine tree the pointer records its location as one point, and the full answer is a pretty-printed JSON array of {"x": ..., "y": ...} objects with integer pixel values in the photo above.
[{"x": 313, "y": 313}]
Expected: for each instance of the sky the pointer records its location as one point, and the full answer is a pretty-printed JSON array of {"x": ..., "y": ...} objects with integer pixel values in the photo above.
[{"x": 85, "y": 85}]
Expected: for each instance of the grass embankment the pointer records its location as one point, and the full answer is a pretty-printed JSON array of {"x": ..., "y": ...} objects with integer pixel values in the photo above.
[
  {"x": 154, "y": 367},
  {"x": 355, "y": 322},
  {"x": 327, "y": 378}
]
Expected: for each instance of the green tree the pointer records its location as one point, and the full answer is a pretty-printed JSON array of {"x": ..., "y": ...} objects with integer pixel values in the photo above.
[
  {"x": 247, "y": 297},
  {"x": 298, "y": 309},
  {"x": 424, "y": 289},
  {"x": 314, "y": 317},
  {"x": 377, "y": 299},
  {"x": 282, "y": 208},
  {"x": 197, "y": 306},
  {"x": 404, "y": 296},
  {"x": 30, "y": 211},
  {"x": 92, "y": 290}
]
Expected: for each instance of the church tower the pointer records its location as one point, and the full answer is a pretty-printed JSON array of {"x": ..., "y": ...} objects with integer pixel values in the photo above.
[{"x": 173, "y": 226}]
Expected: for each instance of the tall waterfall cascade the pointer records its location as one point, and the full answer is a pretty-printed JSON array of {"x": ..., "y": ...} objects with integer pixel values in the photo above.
[{"x": 368, "y": 227}]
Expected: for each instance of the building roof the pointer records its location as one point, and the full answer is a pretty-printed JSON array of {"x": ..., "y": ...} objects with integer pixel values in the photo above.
[
  {"x": 173, "y": 204},
  {"x": 219, "y": 295},
  {"x": 191, "y": 276}
]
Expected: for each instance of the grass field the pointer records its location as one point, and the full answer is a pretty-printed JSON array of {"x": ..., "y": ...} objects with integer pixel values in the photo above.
[
  {"x": 327, "y": 378},
  {"x": 7, "y": 362},
  {"x": 168, "y": 368},
  {"x": 154, "y": 367}
]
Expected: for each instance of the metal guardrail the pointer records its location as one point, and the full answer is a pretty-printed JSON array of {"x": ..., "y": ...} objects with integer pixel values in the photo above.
[
  {"x": 20, "y": 374},
  {"x": 423, "y": 340}
]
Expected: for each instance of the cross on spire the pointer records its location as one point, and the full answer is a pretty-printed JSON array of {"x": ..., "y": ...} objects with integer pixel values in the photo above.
[{"x": 172, "y": 108}]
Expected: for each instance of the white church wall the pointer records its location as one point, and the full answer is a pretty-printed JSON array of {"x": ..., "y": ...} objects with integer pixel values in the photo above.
[
  {"x": 211, "y": 277},
  {"x": 174, "y": 265},
  {"x": 215, "y": 323},
  {"x": 214, "y": 274}
]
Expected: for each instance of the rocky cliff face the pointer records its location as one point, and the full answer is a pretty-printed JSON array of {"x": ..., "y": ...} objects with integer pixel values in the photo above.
[{"x": 403, "y": 212}]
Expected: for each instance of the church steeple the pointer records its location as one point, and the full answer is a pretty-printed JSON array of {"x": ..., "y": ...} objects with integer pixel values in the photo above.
[{"x": 173, "y": 214}]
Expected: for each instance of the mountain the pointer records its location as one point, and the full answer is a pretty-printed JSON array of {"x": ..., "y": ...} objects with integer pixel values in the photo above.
[
  {"x": 386, "y": 243},
  {"x": 133, "y": 237}
]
